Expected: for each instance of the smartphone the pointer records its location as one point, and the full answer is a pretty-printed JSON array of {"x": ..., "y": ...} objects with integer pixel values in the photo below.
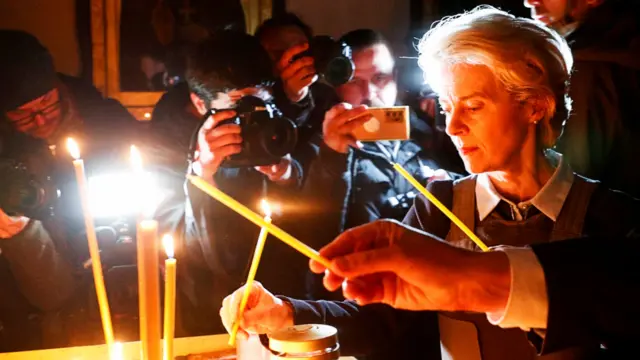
[{"x": 386, "y": 123}]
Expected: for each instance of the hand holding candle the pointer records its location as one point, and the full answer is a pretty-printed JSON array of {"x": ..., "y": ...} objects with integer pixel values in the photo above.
[
  {"x": 94, "y": 251},
  {"x": 169, "y": 297},
  {"x": 262, "y": 238}
]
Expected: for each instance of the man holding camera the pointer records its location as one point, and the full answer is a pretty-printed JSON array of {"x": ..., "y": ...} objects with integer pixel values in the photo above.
[
  {"x": 39, "y": 109},
  {"x": 229, "y": 77},
  {"x": 359, "y": 177}
]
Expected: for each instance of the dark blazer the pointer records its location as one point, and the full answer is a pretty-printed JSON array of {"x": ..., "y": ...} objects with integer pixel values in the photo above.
[{"x": 593, "y": 298}]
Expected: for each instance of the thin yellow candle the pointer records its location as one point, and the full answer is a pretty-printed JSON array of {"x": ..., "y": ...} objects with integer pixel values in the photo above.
[
  {"x": 169, "y": 297},
  {"x": 262, "y": 238},
  {"x": 94, "y": 251},
  {"x": 440, "y": 206},
  {"x": 148, "y": 280},
  {"x": 257, "y": 219}
]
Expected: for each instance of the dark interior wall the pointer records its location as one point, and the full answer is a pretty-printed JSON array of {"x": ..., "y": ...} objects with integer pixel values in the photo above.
[{"x": 53, "y": 22}]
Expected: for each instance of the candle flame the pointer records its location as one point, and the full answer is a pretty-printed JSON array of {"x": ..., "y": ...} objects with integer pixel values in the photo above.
[
  {"x": 167, "y": 242},
  {"x": 266, "y": 208},
  {"x": 136, "y": 159},
  {"x": 72, "y": 146},
  {"x": 117, "y": 351}
]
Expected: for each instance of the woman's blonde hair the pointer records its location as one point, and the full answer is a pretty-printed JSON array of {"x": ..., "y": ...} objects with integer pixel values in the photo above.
[{"x": 529, "y": 59}]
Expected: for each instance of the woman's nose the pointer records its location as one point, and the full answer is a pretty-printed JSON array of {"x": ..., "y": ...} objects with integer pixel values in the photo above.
[{"x": 454, "y": 125}]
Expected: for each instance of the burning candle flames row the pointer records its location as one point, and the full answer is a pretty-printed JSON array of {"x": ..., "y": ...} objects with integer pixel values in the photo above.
[
  {"x": 147, "y": 249},
  {"x": 149, "y": 293}
]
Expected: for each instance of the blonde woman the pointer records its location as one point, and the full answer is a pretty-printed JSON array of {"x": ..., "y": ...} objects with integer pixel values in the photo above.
[{"x": 502, "y": 82}]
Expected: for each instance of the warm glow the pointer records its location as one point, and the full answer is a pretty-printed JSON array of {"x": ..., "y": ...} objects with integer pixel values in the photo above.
[
  {"x": 266, "y": 209},
  {"x": 147, "y": 115},
  {"x": 167, "y": 242},
  {"x": 136, "y": 159},
  {"x": 72, "y": 146},
  {"x": 117, "y": 351}
]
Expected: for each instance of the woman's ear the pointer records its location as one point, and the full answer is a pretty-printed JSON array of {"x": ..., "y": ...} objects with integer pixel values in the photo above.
[
  {"x": 536, "y": 110},
  {"x": 198, "y": 103}
]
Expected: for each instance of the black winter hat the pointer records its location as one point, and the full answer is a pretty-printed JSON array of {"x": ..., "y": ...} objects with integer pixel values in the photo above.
[{"x": 26, "y": 69}]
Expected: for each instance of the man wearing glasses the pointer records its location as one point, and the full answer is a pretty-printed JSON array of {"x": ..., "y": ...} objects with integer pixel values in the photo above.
[{"x": 40, "y": 109}]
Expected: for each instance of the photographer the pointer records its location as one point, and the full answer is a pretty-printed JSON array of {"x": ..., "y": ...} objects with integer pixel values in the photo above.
[
  {"x": 40, "y": 109},
  {"x": 224, "y": 74},
  {"x": 359, "y": 177},
  {"x": 298, "y": 92}
]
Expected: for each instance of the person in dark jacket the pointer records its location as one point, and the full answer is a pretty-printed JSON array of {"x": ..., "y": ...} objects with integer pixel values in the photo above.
[
  {"x": 600, "y": 140},
  {"x": 37, "y": 257},
  {"x": 298, "y": 91},
  {"x": 519, "y": 194},
  {"x": 217, "y": 243},
  {"x": 353, "y": 185}
]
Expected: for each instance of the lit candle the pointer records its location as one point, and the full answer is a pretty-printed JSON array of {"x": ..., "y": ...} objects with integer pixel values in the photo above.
[
  {"x": 252, "y": 271},
  {"x": 169, "y": 297},
  {"x": 148, "y": 279},
  {"x": 118, "y": 352},
  {"x": 234, "y": 205},
  {"x": 96, "y": 264}
]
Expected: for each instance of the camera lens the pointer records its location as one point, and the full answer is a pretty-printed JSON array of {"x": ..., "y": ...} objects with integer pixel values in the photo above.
[
  {"x": 339, "y": 71},
  {"x": 279, "y": 137}
]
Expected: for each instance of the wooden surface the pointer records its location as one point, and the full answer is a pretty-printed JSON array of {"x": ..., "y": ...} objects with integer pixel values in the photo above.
[{"x": 131, "y": 351}]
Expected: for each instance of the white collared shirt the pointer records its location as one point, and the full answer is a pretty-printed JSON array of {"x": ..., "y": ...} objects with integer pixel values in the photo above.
[
  {"x": 528, "y": 304},
  {"x": 549, "y": 200}
]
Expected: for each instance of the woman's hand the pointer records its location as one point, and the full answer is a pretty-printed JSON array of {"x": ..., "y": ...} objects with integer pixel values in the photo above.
[{"x": 264, "y": 312}]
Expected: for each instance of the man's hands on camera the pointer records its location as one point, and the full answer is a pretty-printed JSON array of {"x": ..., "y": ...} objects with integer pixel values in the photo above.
[
  {"x": 280, "y": 172},
  {"x": 10, "y": 226},
  {"x": 264, "y": 312},
  {"x": 340, "y": 122},
  {"x": 215, "y": 143},
  {"x": 296, "y": 74}
]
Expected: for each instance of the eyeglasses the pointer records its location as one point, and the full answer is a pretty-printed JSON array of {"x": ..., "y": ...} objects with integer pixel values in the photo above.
[{"x": 44, "y": 112}]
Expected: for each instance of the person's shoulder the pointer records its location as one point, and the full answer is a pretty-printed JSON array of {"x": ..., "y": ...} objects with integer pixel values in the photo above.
[{"x": 612, "y": 212}]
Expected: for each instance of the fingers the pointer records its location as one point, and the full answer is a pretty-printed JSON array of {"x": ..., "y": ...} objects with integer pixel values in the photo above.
[
  {"x": 367, "y": 262},
  {"x": 366, "y": 236},
  {"x": 289, "y": 54},
  {"x": 216, "y": 118},
  {"x": 368, "y": 289},
  {"x": 298, "y": 69},
  {"x": 341, "y": 114},
  {"x": 231, "y": 304},
  {"x": 222, "y": 141},
  {"x": 339, "y": 125}
]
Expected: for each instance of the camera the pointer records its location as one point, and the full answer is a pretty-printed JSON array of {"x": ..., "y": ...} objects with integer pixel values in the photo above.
[
  {"x": 25, "y": 187},
  {"x": 267, "y": 136},
  {"x": 333, "y": 60}
]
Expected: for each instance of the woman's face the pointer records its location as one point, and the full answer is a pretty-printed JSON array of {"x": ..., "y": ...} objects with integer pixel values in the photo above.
[{"x": 488, "y": 126}]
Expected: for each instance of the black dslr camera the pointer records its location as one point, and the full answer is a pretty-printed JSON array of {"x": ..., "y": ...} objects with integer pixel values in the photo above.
[
  {"x": 25, "y": 186},
  {"x": 267, "y": 136},
  {"x": 333, "y": 60}
]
